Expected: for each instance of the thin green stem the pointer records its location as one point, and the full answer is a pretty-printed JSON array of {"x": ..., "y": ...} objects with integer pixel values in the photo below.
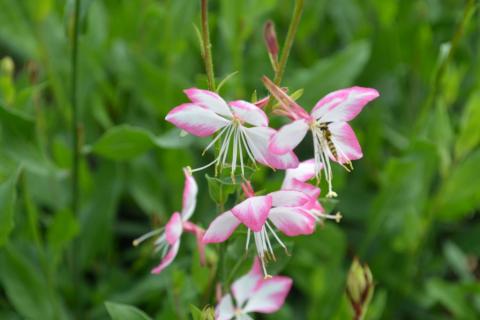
[
  {"x": 73, "y": 102},
  {"x": 75, "y": 137},
  {"x": 207, "y": 47},
  {"x": 438, "y": 77},
  {"x": 287, "y": 46}
]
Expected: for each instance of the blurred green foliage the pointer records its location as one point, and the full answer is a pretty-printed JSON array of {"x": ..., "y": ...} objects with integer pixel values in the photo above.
[{"x": 409, "y": 206}]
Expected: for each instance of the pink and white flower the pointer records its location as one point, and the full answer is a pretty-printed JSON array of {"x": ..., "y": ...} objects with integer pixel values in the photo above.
[
  {"x": 285, "y": 209},
  {"x": 253, "y": 293},
  {"x": 297, "y": 180},
  {"x": 208, "y": 113},
  {"x": 168, "y": 242},
  {"x": 333, "y": 138}
]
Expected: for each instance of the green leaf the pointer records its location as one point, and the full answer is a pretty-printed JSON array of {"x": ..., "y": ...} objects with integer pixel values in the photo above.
[
  {"x": 118, "y": 311},
  {"x": 126, "y": 142},
  {"x": 398, "y": 208},
  {"x": 7, "y": 206},
  {"x": 123, "y": 143},
  {"x": 458, "y": 196},
  {"x": 196, "y": 313},
  {"x": 18, "y": 139},
  {"x": 61, "y": 231},
  {"x": 25, "y": 286},
  {"x": 220, "y": 189},
  {"x": 469, "y": 136},
  {"x": 333, "y": 72},
  {"x": 205, "y": 314}
]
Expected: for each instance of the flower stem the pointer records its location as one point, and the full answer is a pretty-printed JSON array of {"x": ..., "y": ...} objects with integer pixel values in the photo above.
[
  {"x": 207, "y": 47},
  {"x": 76, "y": 148},
  {"x": 73, "y": 102},
  {"x": 287, "y": 46}
]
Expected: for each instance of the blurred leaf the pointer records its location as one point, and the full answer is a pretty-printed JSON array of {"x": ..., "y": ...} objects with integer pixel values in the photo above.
[
  {"x": 399, "y": 207},
  {"x": 123, "y": 143},
  {"x": 196, "y": 313},
  {"x": 451, "y": 296},
  {"x": 440, "y": 132},
  {"x": 8, "y": 196},
  {"x": 19, "y": 140},
  {"x": 205, "y": 314},
  {"x": 61, "y": 231},
  {"x": 25, "y": 286},
  {"x": 457, "y": 260},
  {"x": 118, "y": 311},
  {"x": 98, "y": 213},
  {"x": 126, "y": 142},
  {"x": 332, "y": 73},
  {"x": 457, "y": 196},
  {"x": 469, "y": 136}
]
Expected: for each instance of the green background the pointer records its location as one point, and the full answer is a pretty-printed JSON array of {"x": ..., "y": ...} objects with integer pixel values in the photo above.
[{"x": 409, "y": 206}]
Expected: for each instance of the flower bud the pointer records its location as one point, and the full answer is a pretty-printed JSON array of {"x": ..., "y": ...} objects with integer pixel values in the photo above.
[
  {"x": 271, "y": 42},
  {"x": 271, "y": 38},
  {"x": 359, "y": 287}
]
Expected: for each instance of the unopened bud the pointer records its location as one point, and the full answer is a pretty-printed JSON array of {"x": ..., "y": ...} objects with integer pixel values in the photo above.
[
  {"x": 7, "y": 66},
  {"x": 359, "y": 287},
  {"x": 271, "y": 38}
]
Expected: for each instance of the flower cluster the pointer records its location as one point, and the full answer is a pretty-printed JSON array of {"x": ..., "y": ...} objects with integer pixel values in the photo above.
[{"x": 241, "y": 136}]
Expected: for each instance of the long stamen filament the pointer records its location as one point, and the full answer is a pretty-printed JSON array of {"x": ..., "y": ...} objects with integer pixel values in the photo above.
[
  {"x": 248, "y": 239},
  {"x": 146, "y": 236},
  {"x": 215, "y": 139}
]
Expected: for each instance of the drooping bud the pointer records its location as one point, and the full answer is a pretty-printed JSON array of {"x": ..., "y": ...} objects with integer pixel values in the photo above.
[
  {"x": 271, "y": 42},
  {"x": 359, "y": 288}
]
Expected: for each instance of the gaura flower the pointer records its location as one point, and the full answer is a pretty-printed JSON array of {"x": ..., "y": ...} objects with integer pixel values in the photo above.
[
  {"x": 284, "y": 209},
  {"x": 297, "y": 179},
  {"x": 333, "y": 138},
  {"x": 208, "y": 113},
  {"x": 253, "y": 293},
  {"x": 168, "y": 242}
]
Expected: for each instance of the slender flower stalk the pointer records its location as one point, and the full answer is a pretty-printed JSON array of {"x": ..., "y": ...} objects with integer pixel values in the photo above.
[
  {"x": 287, "y": 46},
  {"x": 207, "y": 47},
  {"x": 73, "y": 103},
  {"x": 75, "y": 141}
]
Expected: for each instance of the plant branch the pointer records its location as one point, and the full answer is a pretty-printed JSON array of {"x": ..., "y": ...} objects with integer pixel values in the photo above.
[
  {"x": 207, "y": 47},
  {"x": 287, "y": 46},
  {"x": 73, "y": 102}
]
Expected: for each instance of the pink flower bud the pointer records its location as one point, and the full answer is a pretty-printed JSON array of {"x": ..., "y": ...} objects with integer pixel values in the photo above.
[{"x": 271, "y": 39}]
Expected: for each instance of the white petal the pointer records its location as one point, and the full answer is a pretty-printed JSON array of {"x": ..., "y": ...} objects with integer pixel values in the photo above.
[
  {"x": 289, "y": 198},
  {"x": 190, "y": 191},
  {"x": 288, "y": 137},
  {"x": 209, "y": 100},
  {"x": 258, "y": 139},
  {"x": 270, "y": 295},
  {"x": 225, "y": 309},
  {"x": 221, "y": 228},
  {"x": 196, "y": 120},
  {"x": 245, "y": 286},
  {"x": 344, "y": 104},
  {"x": 249, "y": 113}
]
